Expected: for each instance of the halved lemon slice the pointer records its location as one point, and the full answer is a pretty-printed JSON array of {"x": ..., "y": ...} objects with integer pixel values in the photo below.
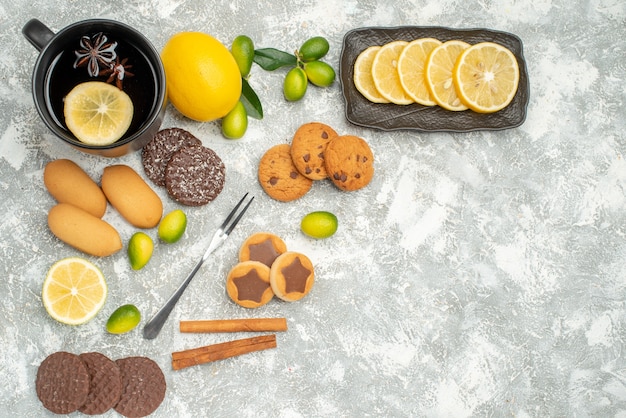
[
  {"x": 385, "y": 73},
  {"x": 486, "y": 77},
  {"x": 411, "y": 66},
  {"x": 98, "y": 113},
  {"x": 439, "y": 67},
  {"x": 363, "y": 80},
  {"x": 74, "y": 291}
]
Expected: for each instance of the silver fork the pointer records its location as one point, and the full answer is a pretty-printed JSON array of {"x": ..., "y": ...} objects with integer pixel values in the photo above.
[{"x": 153, "y": 327}]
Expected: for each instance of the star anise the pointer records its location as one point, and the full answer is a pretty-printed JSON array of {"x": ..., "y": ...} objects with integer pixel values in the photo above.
[
  {"x": 117, "y": 71},
  {"x": 95, "y": 51}
]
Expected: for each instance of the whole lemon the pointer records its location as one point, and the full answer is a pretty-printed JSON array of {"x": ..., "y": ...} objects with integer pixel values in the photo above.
[{"x": 203, "y": 79}]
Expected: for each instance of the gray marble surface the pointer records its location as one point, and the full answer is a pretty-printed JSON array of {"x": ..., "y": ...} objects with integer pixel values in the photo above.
[{"x": 479, "y": 274}]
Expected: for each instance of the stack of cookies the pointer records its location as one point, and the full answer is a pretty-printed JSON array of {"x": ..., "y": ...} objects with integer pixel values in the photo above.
[
  {"x": 266, "y": 269},
  {"x": 93, "y": 384},
  {"x": 317, "y": 152},
  {"x": 192, "y": 174}
]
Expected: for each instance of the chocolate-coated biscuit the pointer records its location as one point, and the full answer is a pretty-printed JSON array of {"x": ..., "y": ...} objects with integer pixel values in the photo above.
[
  {"x": 349, "y": 162},
  {"x": 195, "y": 175},
  {"x": 105, "y": 388},
  {"x": 307, "y": 149},
  {"x": 248, "y": 284},
  {"x": 157, "y": 153},
  {"x": 263, "y": 247},
  {"x": 279, "y": 177},
  {"x": 62, "y": 382},
  {"x": 292, "y": 276},
  {"x": 143, "y": 386}
]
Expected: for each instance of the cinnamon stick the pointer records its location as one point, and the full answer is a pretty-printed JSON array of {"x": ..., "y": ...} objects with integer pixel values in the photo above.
[
  {"x": 235, "y": 325},
  {"x": 221, "y": 351}
]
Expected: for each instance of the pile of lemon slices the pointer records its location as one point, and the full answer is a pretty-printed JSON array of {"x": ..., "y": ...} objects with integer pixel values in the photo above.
[{"x": 454, "y": 74}]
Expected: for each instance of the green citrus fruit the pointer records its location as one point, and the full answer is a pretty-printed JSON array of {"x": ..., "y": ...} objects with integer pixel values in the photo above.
[
  {"x": 319, "y": 224},
  {"x": 314, "y": 49},
  {"x": 123, "y": 319},
  {"x": 235, "y": 123},
  {"x": 172, "y": 226},
  {"x": 295, "y": 84},
  {"x": 319, "y": 73},
  {"x": 140, "y": 249},
  {"x": 243, "y": 52}
]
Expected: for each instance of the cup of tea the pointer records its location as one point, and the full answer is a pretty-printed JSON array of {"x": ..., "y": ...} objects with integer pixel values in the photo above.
[{"x": 98, "y": 50}]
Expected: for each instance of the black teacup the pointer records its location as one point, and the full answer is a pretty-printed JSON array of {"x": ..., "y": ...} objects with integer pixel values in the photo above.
[{"x": 104, "y": 50}]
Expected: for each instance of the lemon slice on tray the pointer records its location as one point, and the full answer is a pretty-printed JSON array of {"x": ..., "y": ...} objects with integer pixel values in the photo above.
[
  {"x": 439, "y": 68},
  {"x": 74, "y": 291},
  {"x": 363, "y": 80},
  {"x": 411, "y": 65},
  {"x": 385, "y": 73},
  {"x": 98, "y": 113},
  {"x": 486, "y": 76}
]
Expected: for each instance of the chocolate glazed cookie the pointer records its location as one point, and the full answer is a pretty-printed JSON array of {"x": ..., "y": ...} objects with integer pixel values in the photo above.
[
  {"x": 158, "y": 152},
  {"x": 105, "y": 388},
  {"x": 195, "y": 175},
  {"x": 143, "y": 386},
  {"x": 62, "y": 382}
]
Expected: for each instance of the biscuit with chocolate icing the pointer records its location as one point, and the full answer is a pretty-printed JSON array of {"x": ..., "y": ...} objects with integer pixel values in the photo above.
[
  {"x": 157, "y": 153},
  {"x": 292, "y": 276},
  {"x": 105, "y": 388},
  {"x": 279, "y": 177},
  {"x": 62, "y": 382},
  {"x": 195, "y": 175},
  {"x": 307, "y": 149},
  {"x": 143, "y": 386},
  {"x": 248, "y": 284},
  {"x": 349, "y": 162},
  {"x": 263, "y": 247}
]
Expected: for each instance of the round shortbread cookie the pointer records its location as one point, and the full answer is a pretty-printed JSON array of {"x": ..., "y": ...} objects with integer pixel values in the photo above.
[
  {"x": 248, "y": 284},
  {"x": 307, "y": 149},
  {"x": 62, "y": 382},
  {"x": 292, "y": 276},
  {"x": 279, "y": 177},
  {"x": 195, "y": 175},
  {"x": 349, "y": 162},
  {"x": 263, "y": 247},
  {"x": 143, "y": 386},
  {"x": 157, "y": 153},
  {"x": 105, "y": 388}
]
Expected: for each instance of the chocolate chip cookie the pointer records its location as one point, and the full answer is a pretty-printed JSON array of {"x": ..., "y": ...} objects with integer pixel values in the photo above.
[
  {"x": 279, "y": 177},
  {"x": 349, "y": 162},
  {"x": 307, "y": 149}
]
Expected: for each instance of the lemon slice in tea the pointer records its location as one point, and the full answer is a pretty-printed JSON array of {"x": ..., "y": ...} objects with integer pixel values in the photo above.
[{"x": 98, "y": 113}]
